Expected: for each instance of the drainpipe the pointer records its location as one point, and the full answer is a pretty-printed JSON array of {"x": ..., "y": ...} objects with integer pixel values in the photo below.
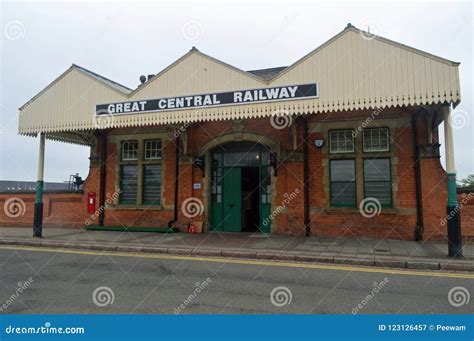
[
  {"x": 416, "y": 165},
  {"x": 176, "y": 185},
  {"x": 307, "y": 223},
  {"x": 103, "y": 172}
]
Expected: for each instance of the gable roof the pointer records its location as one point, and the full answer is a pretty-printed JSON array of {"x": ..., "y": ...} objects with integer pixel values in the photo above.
[
  {"x": 377, "y": 72},
  {"x": 193, "y": 50},
  {"x": 108, "y": 82},
  {"x": 350, "y": 28}
]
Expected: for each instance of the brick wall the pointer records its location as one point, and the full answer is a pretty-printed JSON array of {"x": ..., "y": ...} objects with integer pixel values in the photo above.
[
  {"x": 59, "y": 209},
  {"x": 397, "y": 223}
]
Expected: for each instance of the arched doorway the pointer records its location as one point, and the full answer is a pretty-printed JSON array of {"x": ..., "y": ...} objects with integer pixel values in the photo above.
[{"x": 240, "y": 187}]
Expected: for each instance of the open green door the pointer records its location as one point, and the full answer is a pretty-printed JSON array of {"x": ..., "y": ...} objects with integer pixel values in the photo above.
[{"x": 231, "y": 200}]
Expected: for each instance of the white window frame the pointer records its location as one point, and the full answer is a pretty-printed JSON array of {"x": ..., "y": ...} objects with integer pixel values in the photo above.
[
  {"x": 350, "y": 131},
  {"x": 155, "y": 149},
  {"x": 123, "y": 150},
  {"x": 380, "y": 129}
]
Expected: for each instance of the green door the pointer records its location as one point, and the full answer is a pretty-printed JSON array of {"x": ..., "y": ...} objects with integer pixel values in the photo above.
[
  {"x": 231, "y": 200},
  {"x": 265, "y": 199}
]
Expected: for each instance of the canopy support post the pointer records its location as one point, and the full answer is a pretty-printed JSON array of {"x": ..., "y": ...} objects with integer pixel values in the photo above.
[
  {"x": 453, "y": 214},
  {"x": 38, "y": 214}
]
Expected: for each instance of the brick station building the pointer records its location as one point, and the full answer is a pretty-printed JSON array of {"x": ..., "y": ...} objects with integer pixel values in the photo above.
[{"x": 342, "y": 142}]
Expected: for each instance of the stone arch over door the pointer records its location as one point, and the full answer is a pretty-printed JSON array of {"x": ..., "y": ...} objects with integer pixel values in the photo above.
[
  {"x": 240, "y": 137},
  {"x": 206, "y": 150}
]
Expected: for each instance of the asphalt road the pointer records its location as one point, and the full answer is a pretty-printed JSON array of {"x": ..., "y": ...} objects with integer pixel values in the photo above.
[{"x": 65, "y": 283}]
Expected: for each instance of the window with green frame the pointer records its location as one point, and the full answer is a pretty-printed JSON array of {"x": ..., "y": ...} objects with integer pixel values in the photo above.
[
  {"x": 343, "y": 183},
  {"x": 377, "y": 181},
  {"x": 145, "y": 164}
]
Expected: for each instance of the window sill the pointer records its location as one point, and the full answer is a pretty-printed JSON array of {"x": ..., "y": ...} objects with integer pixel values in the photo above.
[
  {"x": 388, "y": 210},
  {"x": 136, "y": 207}
]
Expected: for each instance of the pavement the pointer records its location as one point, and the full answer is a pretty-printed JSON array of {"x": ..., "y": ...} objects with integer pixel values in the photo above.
[
  {"x": 339, "y": 250},
  {"x": 99, "y": 282}
]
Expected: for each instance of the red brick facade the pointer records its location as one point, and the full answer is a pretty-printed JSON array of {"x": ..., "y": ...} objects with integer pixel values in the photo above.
[{"x": 397, "y": 222}]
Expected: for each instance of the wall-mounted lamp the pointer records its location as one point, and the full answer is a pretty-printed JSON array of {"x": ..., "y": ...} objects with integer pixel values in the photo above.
[{"x": 319, "y": 143}]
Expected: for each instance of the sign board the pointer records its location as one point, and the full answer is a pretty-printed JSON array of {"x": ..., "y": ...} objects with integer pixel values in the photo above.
[
  {"x": 197, "y": 185},
  {"x": 280, "y": 93}
]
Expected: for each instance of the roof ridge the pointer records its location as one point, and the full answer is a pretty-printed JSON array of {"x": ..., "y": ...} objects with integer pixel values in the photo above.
[{"x": 100, "y": 76}]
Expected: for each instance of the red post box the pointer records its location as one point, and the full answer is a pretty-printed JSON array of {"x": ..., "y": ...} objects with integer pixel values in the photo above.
[{"x": 90, "y": 202}]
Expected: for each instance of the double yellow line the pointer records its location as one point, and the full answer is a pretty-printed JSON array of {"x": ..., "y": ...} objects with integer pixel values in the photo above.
[{"x": 317, "y": 266}]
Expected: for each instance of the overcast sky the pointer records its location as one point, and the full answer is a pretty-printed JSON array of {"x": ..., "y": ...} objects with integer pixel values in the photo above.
[{"x": 121, "y": 41}]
